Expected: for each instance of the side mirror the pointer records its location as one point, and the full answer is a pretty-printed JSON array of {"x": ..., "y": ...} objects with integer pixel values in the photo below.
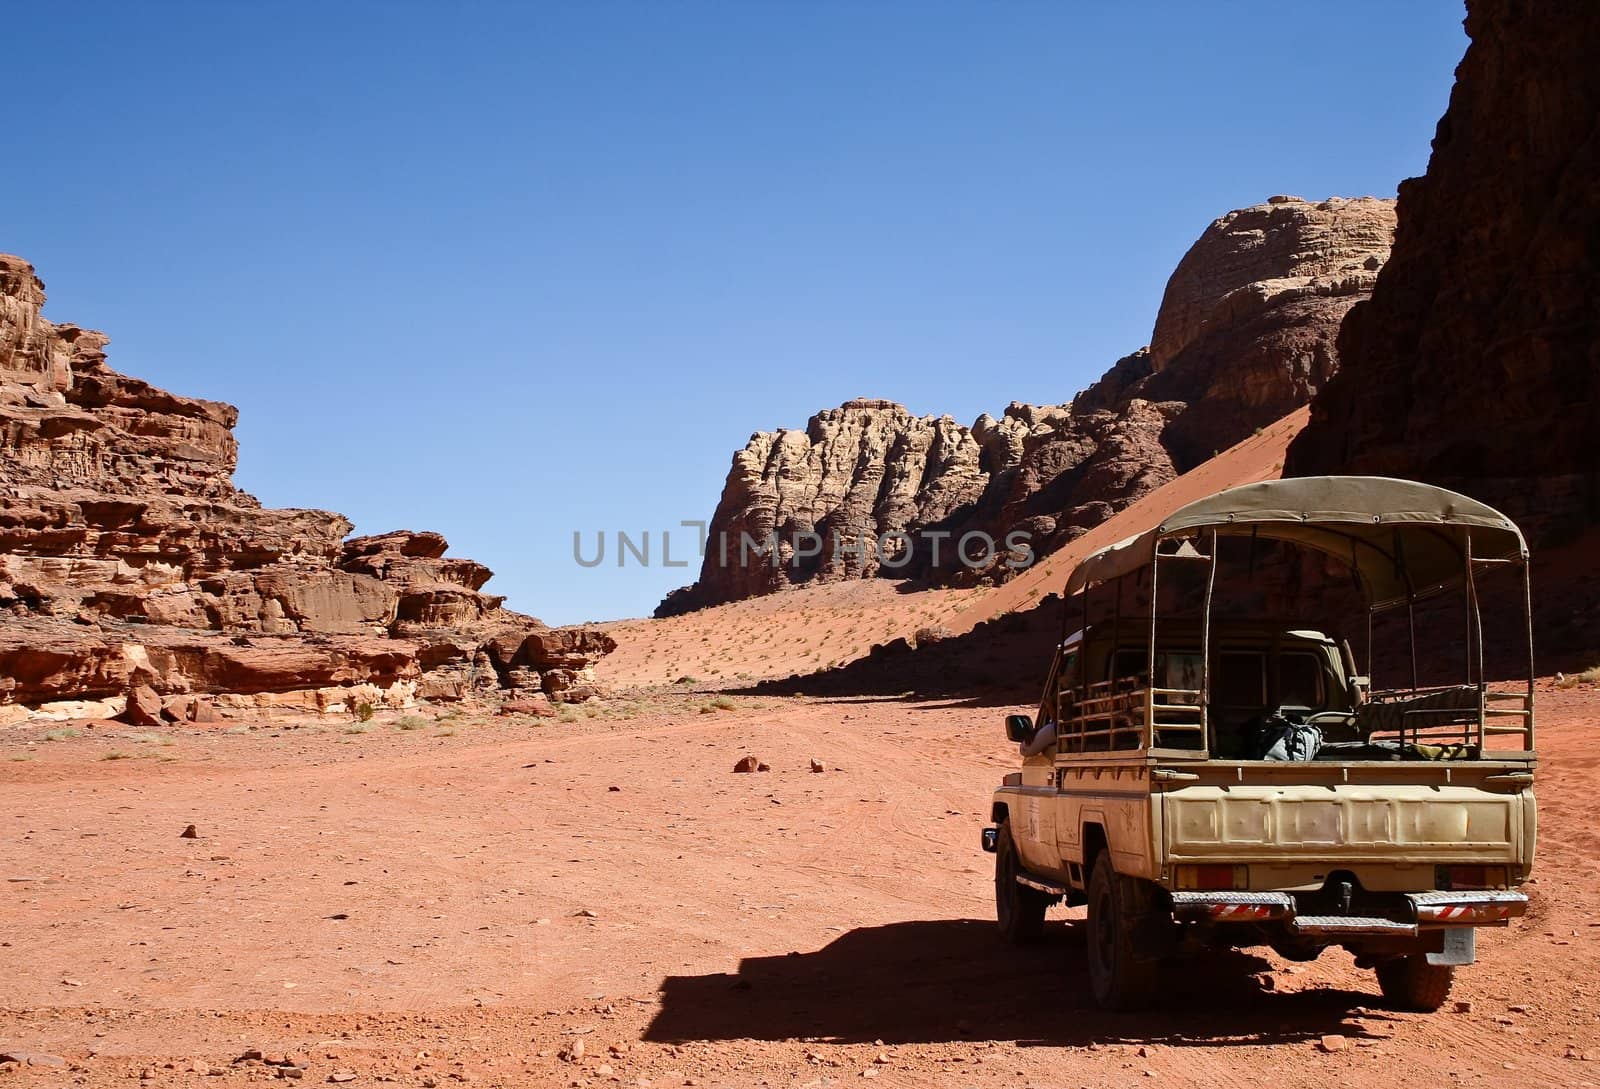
[{"x": 1019, "y": 728}]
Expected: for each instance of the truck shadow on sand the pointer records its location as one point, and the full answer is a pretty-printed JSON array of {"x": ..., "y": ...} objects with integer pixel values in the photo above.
[{"x": 938, "y": 981}]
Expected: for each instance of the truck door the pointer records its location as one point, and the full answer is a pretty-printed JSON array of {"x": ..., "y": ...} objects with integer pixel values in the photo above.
[{"x": 1034, "y": 821}]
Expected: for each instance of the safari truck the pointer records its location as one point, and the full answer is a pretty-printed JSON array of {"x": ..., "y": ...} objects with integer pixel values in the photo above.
[{"x": 1201, "y": 775}]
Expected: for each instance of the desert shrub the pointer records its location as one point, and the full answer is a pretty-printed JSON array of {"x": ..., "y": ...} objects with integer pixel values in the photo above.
[
  {"x": 358, "y": 727},
  {"x": 363, "y": 712},
  {"x": 723, "y": 703},
  {"x": 117, "y": 754},
  {"x": 931, "y": 633},
  {"x": 64, "y": 733},
  {"x": 1588, "y": 676},
  {"x": 411, "y": 722}
]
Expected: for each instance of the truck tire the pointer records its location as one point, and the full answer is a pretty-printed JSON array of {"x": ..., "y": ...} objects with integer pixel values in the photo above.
[
  {"x": 1120, "y": 978},
  {"x": 1018, "y": 909},
  {"x": 1411, "y": 983}
]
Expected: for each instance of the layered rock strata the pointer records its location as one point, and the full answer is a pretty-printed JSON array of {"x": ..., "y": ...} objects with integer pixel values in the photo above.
[{"x": 129, "y": 558}]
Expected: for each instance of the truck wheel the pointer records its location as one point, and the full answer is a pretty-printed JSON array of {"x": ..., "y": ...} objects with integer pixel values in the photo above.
[
  {"x": 1120, "y": 979},
  {"x": 1411, "y": 983},
  {"x": 1019, "y": 909}
]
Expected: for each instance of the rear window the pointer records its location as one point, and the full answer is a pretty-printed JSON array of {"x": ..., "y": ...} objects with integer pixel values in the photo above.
[
  {"x": 1241, "y": 680},
  {"x": 1300, "y": 681}
]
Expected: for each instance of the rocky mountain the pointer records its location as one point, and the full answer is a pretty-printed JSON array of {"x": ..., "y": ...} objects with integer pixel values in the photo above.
[
  {"x": 1476, "y": 362},
  {"x": 1244, "y": 335},
  {"x": 129, "y": 560}
]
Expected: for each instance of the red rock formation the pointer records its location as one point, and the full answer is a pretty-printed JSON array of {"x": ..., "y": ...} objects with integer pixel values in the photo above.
[
  {"x": 128, "y": 557},
  {"x": 1476, "y": 363},
  {"x": 1245, "y": 335},
  {"x": 1247, "y": 326}
]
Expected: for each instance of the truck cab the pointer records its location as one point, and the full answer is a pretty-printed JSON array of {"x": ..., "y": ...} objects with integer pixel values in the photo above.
[{"x": 1200, "y": 779}]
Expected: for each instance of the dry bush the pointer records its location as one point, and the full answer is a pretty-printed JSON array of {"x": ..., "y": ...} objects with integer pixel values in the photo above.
[
  {"x": 1573, "y": 680},
  {"x": 931, "y": 633}
]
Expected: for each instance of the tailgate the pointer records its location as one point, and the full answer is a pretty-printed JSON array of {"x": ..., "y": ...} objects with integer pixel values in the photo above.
[{"x": 1374, "y": 822}]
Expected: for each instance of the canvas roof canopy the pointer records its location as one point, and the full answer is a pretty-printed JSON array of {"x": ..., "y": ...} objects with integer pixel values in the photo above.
[{"x": 1403, "y": 539}]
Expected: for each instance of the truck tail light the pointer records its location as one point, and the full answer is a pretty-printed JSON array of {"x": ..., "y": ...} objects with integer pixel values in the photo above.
[
  {"x": 1470, "y": 877},
  {"x": 1213, "y": 877}
]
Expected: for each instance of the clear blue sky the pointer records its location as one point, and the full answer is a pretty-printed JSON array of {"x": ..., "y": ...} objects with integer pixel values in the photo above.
[{"x": 510, "y": 270}]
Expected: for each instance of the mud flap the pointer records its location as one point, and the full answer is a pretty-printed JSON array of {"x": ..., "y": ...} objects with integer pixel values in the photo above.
[{"x": 1460, "y": 947}]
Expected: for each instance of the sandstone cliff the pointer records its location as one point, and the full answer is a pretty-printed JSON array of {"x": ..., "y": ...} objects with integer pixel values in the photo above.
[
  {"x": 1476, "y": 362},
  {"x": 1245, "y": 334},
  {"x": 128, "y": 557}
]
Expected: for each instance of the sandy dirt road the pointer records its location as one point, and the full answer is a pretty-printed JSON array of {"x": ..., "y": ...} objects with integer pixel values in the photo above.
[{"x": 465, "y": 902}]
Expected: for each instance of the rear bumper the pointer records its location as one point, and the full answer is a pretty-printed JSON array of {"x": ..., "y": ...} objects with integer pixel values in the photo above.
[
  {"x": 1235, "y": 907},
  {"x": 1419, "y": 910},
  {"x": 1467, "y": 908}
]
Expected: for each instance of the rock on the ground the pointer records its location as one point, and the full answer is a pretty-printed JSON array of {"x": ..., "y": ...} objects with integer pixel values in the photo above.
[{"x": 144, "y": 707}]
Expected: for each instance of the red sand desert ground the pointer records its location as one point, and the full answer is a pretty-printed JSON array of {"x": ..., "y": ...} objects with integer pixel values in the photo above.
[{"x": 468, "y": 900}]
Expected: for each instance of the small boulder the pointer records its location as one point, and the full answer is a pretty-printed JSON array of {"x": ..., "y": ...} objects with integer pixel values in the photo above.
[
  {"x": 144, "y": 707},
  {"x": 1333, "y": 1042},
  {"x": 746, "y": 764},
  {"x": 816, "y": 766},
  {"x": 32, "y": 1058}
]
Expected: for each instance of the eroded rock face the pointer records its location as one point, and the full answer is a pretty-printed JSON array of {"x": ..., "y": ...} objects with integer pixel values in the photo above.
[
  {"x": 129, "y": 558},
  {"x": 1476, "y": 363},
  {"x": 1245, "y": 335},
  {"x": 1248, "y": 323}
]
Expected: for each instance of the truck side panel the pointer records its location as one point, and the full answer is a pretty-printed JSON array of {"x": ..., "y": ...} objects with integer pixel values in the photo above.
[{"x": 1116, "y": 798}]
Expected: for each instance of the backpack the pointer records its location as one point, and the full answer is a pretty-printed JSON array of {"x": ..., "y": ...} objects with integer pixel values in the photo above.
[{"x": 1277, "y": 738}]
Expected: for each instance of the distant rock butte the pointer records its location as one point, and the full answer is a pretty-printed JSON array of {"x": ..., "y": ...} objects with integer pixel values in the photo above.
[
  {"x": 128, "y": 558},
  {"x": 1245, "y": 335}
]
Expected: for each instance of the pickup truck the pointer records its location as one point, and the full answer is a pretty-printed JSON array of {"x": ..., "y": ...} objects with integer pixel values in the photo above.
[{"x": 1201, "y": 782}]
